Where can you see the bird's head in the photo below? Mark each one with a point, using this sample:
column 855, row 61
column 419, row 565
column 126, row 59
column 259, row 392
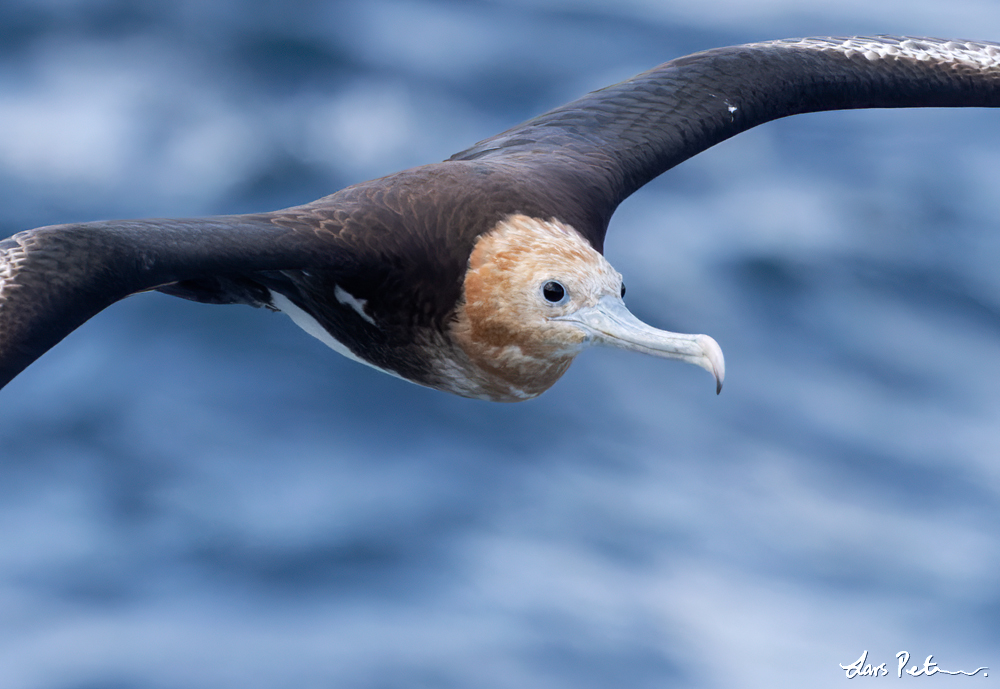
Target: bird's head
column 536, row 293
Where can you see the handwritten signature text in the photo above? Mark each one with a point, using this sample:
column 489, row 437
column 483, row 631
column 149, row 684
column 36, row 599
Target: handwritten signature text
column 862, row 668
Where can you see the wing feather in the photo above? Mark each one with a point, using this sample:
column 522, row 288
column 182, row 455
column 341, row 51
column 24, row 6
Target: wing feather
column 613, row 141
column 52, row 279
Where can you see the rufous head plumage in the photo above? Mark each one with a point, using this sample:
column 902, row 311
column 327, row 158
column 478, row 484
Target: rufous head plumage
column 536, row 293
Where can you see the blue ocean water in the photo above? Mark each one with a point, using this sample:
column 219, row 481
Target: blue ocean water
column 200, row 496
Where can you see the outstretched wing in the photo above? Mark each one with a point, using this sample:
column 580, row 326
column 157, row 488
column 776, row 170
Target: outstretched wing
column 612, row 141
column 52, row 279
column 586, row 156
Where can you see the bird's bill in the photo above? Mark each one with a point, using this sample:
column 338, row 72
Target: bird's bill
column 610, row 323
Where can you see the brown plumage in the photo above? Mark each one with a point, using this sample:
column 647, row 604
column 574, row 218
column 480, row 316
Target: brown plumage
column 482, row 275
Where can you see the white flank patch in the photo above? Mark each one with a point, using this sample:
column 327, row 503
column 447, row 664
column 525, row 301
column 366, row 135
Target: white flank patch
column 344, row 297
column 312, row 326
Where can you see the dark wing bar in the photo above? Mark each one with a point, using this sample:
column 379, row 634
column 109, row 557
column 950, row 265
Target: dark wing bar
column 52, row 279
column 615, row 140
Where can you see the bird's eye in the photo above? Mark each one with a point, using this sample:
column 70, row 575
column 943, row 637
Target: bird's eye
column 553, row 291
column 623, row 290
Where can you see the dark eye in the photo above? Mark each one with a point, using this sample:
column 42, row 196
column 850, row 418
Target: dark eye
column 553, row 291
column 623, row 290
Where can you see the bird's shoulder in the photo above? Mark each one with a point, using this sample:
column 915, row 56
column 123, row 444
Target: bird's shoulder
column 435, row 212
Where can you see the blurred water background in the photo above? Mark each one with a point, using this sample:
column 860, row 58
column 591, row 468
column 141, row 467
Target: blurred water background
column 206, row 497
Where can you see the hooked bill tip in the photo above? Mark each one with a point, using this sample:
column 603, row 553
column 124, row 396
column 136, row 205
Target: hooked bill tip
column 712, row 353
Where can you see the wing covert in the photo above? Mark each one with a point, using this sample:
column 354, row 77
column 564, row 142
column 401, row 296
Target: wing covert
column 52, row 279
column 614, row 140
